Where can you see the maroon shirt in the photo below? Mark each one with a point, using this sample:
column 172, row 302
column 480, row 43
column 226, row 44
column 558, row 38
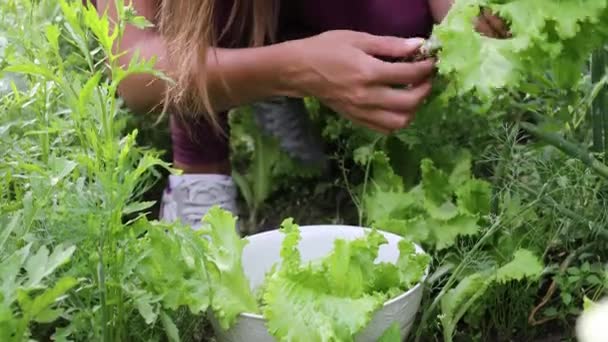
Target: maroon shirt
column 404, row 18
column 301, row 18
column 304, row 18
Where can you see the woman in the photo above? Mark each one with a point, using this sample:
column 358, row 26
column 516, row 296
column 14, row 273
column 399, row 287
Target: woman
column 224, row 54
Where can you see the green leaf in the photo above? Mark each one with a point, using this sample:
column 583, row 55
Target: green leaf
column 137, row 207
column 10, row 269
column 347, row 268
column 335, row 297
column 61, row 168
column 244, row 187
column 474, row 197
column 411, row 265
column 86, row 93
column 171, row 267
column 456, row 301
column 170, row 327
column 42, row 264
column 435, row 183
column 524, row 265
column 230, row 287
column 447, row 232
column 392, row 334
column 554, row 37
column 39, row 309
column 34, row 70
column 296, row 312
column 146, row 310
column 446, row 211
column 381, row 206
column 415, row 229
column 8, row 229
column 461, row 171
column 52, row 35
column 384, row 178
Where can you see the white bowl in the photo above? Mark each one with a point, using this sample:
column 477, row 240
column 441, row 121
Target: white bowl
column 263, row 251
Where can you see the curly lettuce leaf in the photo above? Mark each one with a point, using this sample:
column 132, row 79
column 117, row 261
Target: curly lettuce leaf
column 392, row 334
column 457, row 301
column 335, row 297
column 296, row 311
column 443, row 207
column 547, row 35
column 231, row 293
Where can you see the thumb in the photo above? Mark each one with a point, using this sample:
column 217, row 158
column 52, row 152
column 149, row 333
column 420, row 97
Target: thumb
column 393, row 47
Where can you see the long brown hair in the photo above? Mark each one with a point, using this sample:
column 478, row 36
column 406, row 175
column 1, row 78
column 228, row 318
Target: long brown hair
column 190, row 28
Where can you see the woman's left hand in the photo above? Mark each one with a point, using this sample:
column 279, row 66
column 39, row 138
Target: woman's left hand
column 487, row 23
column 491, row 25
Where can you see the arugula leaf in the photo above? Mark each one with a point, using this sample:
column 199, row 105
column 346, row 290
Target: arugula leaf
column 41, row 264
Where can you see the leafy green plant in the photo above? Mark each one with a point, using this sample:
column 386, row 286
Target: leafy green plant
column 268, row 168
column 307, row 301
column 30, row 296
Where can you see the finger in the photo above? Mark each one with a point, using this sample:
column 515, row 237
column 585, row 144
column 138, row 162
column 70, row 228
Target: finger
column 387, row 121
column 496, row 24
column 370, row 125
column 400, row 100
column 403, row 73
column 386, row 46
column 483, row 27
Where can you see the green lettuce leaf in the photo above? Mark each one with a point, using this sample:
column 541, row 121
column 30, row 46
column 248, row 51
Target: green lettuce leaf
column 231, row 293
column 335, row 297
column 443, row 207
column 547, row 36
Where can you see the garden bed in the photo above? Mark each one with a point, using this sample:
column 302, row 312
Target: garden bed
column 502, row 180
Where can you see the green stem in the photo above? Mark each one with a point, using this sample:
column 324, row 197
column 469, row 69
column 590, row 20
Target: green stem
column 548, row 200
column 568, row 148
column 499, row 174
column 598, row 117
column 366, row 178
column 102, row 294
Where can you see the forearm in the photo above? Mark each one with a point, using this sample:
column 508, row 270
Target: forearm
column 241, row 76
column 143, row 93
column 233, row 76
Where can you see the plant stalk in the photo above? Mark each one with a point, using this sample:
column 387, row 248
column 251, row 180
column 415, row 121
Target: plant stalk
column 567, row 147
column 598, row 113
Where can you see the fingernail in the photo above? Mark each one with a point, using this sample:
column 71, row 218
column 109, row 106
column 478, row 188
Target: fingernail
column 415, row 42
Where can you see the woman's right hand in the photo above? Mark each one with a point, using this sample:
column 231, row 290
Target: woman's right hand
column 343, row 70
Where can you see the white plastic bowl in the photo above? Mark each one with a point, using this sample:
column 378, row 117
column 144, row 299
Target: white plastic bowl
column 263, row 251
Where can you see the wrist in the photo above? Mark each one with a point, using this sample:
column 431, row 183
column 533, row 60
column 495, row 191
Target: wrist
column 292, row 70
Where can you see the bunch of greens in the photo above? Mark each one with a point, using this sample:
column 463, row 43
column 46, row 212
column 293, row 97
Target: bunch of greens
column 548, row 37
column 329, row 299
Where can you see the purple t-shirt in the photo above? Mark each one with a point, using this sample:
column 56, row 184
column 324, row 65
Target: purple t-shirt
column 303, row 18
column 404, row 18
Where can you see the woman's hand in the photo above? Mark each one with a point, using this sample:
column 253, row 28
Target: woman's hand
column 345, row 71
column 491, row 25
column 486, row 23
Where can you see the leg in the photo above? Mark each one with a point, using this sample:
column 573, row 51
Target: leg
column 203, row 155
